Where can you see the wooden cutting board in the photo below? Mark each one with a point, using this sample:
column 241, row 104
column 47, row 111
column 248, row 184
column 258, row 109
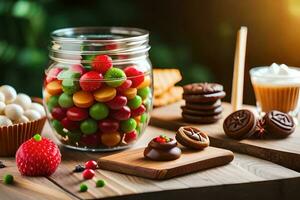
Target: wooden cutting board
column 133, row 162
column 285, row 152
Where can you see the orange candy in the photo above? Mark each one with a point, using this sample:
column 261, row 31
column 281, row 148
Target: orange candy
column 110, row 139
column 83, row 99
column 54, row 87
column 145, row 83
column 105, row 94
column 130, row 93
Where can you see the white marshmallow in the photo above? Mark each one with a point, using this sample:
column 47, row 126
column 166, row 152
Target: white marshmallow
column 2, row 97
column 4, row 121
column 39, row 108
column 2, row 107
column 23, row 100
column 9, row 93
column 13, row 111
column 32, row 114
column 22, row 119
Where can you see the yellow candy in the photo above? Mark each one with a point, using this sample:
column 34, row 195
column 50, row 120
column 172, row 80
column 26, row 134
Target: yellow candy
column 105, row 94
column 54, row 87
column 145, row 83
column 130, row 93
column 83, row 99
column 110, row 139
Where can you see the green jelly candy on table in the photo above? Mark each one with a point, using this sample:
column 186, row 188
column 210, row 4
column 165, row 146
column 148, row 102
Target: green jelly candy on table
column 70, row 86
column 8, row 179
column 144, row 117
column 99, row 111
column 115, row 77
column 100, row 183
column 52, row 102
column 65, row 100
column 144, row 92
column 58, row 127
column 83, row 187
column 68, row 74
column 74, row 136
column 89, row 126
column 128, row 125
column 135, row 102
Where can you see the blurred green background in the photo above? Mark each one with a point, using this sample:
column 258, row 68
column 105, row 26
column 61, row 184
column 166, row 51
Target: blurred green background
column 196, row 36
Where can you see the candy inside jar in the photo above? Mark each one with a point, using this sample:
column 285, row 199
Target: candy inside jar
column 98, row 89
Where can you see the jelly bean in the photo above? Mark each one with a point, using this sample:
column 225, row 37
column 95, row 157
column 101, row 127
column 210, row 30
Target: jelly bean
column 145, row 83
column 144, row 92
column 91, row 81
column 65, row 100
column 139, row 111
column 88, row 174
column 122, row 114
column 58, row 127
column 52, row 102
column 144, row 118
column 83, row 99
column 83, row 187
column 58, row 113
column 124, row 86
column 78, row 68
column 108, row 125
column 110, row 139
column 131, row 136
column 117, row 103
column 70, row 86
column 135, row 102
column 68, row 74
column 114, row 77
column 136, row 76
column 90, row 140
column 100, row 183
column 88, row 126
column 102, row 63
column 69, row 124
column 54, row 87
column 74, row 137
column 52, row 74
column 105, row 94
column 91, row 164
column 77, row 114
column 130, row 93
column 99, row 111
column 128, row 125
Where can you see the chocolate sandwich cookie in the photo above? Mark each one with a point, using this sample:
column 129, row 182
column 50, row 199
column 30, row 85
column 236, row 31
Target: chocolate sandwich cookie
column 202, row 88
column 240, row 124
column 201, row 119
column 204, row 106
column 203, row 98
column 279, row 124
column 192, row 137
column 162, row 148
column 215, row 111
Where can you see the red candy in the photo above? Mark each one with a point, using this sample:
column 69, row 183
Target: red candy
column 77, row 114
column 131, row 136
column 58, row 113
column 90, row 140
column 77, row 68
column 108, row 125
column 70, row 125
column 90, row 81
column 91, row 164
column 88, row 174
column 122, row 114
column 117, row 103
column 127, row 84
column 139, row 111
column 136, row 76
column 52, row 74
column 102, row 63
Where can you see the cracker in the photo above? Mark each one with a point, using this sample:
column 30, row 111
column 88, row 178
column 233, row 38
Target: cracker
column 164, row 79
column 172, row 95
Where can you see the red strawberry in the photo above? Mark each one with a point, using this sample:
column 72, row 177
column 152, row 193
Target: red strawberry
column 38, row 157
column 102, row 63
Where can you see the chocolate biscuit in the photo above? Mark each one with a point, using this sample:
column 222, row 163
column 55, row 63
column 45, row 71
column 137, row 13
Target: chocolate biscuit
column 202, row 88
column 215, row 111
column 203, row 98
column 200, row 119
column 204, row 106
column 192, row 137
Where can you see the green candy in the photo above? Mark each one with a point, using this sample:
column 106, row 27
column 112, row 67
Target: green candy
column 100, row 183
column 99, row 111
column 144, row 118
column 52, row 102
column 74, row 136
column 70, row 86
column 68, row 74
column 115, row 77
column 139, row 128
column 148, row 104
column 135, row 102
column 89, row 126
column 144, row 92
column 8, row 179
column 65, row 100
column 128, row 125
column 83, row 187
column 58, row 127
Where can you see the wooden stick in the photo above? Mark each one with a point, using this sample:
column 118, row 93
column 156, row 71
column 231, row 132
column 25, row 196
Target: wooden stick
column 239, row 68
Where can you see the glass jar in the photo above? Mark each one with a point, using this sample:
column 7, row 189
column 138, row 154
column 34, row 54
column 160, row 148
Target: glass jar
column 98, row 87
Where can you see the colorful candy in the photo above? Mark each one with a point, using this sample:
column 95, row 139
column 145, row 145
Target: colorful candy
column 128, row 125
column 99, row 111
column 136, row 76
column 89, row 126
column 114, row 77
column 88, row 174
column 77, row 114
column 91, row 164
column 58, row 113
column 135, row 102
column 108, row 125
column 111, row 139
column 122, row 114
column 117, row 103
column 54, row 87
column 83, row 99
column 105, row 94
column 65, row 100
column 91, row 81
column 69, row 124
column 102, row 63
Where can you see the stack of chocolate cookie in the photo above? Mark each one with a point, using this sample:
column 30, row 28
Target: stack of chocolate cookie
column 202, row 102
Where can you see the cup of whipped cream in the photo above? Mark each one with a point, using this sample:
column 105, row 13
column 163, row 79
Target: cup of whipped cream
column 276, row 87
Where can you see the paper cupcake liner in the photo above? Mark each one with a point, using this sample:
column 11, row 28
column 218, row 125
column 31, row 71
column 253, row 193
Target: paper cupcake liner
column 11, row 137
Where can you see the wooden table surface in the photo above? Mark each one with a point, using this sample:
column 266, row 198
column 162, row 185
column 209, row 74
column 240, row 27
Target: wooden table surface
column 245, row 177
